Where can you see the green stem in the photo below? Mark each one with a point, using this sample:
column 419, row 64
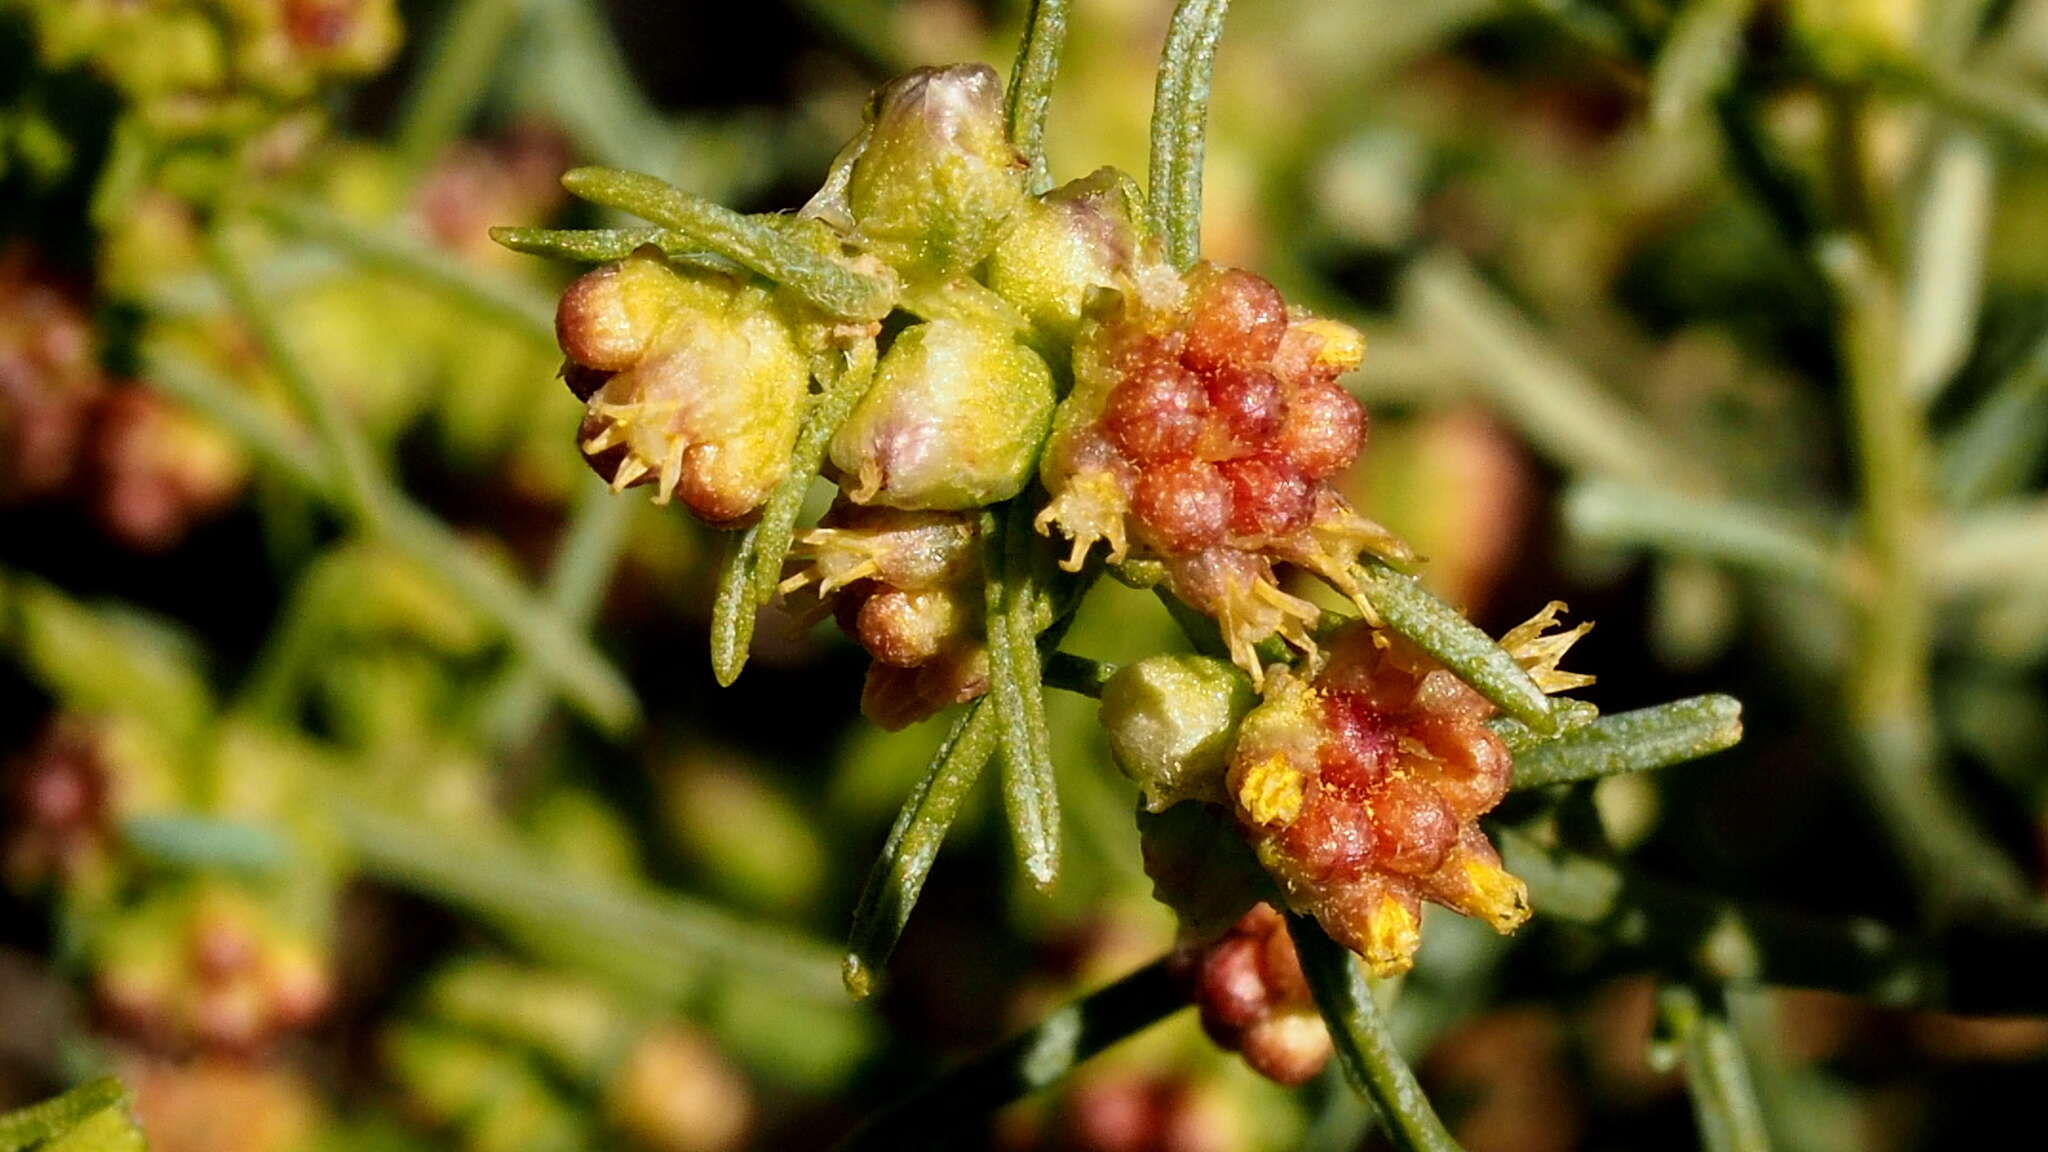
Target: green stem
column 937, row 1114
column 569, row 659
column 1764, row 540
column 899, row 872
column 361, row 489
column 827, row 283
column 1077, row 674
column 1889, row 699
column 1365, row 1047
column 454, row 79
column 1031, row 80
column 1180, row 115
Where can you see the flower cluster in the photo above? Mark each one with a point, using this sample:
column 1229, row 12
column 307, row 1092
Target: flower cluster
column 1204, row 427
column 146, row 468
column 207, row 967
column 211, row 66
column 1361, row 786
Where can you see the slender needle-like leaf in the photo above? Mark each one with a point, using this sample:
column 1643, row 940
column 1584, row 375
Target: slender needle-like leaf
column 1180, row 115
column 569, row 659
column 1638, row 741
column 1031, row 79
column 1764, row 540
column 830, row 284
column 1077, row 674
column 1364, row 1046
column 206, row 842
column 1698, row 59
column 497, row 297
column 454, row 79
column 603, row 245
column 27, row 1127
column 1457, row 643
column 499, row 880
column 1717, row 1076
column 753, row 561
column 936, row 1115
column 1997, row 448
column 899, row 873
column 1016, row 684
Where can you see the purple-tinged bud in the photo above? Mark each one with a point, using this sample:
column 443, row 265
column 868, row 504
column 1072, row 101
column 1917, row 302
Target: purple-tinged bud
column 954, row 420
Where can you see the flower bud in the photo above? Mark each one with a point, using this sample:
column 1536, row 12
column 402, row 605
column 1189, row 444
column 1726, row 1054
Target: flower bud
column 1171, row 720
column 1248, row 986
column 1078, row 237
column 50, row 380
column 954, row 420
column 693, row 383
column 934, row 177
column 907, row 586
column 676, row 1094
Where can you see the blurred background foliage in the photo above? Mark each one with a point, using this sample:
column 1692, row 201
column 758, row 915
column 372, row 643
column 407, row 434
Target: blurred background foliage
column 398, row 809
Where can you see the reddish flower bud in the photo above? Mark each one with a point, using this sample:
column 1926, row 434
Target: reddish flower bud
column 1253, row 998
column 907, row 586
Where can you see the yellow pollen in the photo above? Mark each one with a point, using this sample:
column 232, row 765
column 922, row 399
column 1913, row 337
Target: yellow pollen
column 1270, row 792
column 1392, row 934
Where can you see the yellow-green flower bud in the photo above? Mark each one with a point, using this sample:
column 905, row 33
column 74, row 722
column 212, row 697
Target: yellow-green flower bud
column 1171, row 720
column 1079, row 236
column 933, row 178
column 693, row 381
column 954, row 420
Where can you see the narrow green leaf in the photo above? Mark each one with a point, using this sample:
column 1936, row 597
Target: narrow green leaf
column 899, row 872
column 2002, row 546
column 829, row 284
column 454, row 79
column 1698, row 59
column 1364, row 1046
column 603, row 245
column 1999, row 445
column 940, row 1113
column 517, row 306
column 501, row 881
column 1638, row 741
column 1180, row 115
column 733, row 609
column 1457, row 643
column 752, row 568
column 1945, row 262
column 1765, row 540
column 208, row 842
column 1077, row 674
column 1717, row 1075
column 26, row 1127
column 1031, row 79
column 1016, row 685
